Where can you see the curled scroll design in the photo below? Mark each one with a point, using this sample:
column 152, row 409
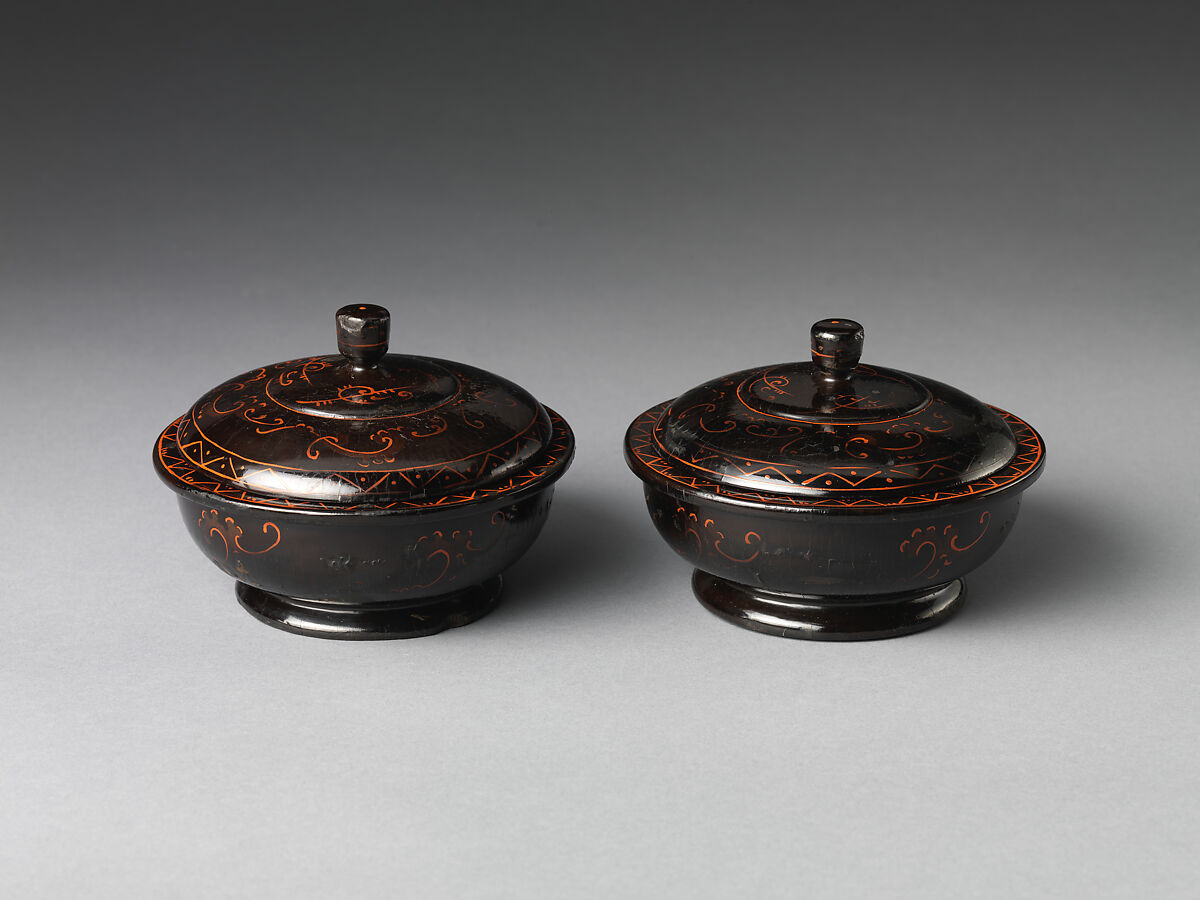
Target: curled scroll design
column 701, row 413
column 436, row 426
column 719, row 425
column 861, row 446
column 314, row 449
column 216, row 407
column 264, row 421
column 446, row 552
column 301, row 371
column 776, row 384
column 938, row 547
column 361, row 394
column 709, row 538
column 776, row 431
column 230, row 533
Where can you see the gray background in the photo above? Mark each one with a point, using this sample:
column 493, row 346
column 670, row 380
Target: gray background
column 607, row 204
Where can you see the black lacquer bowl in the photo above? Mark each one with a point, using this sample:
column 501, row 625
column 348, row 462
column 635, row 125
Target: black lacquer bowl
column 365, row 495
column 832, row 500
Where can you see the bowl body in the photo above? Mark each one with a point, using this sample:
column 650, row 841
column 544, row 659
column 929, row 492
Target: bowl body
column 830, row 552
column 359, row 559
column 831, row 575
column 363, row 575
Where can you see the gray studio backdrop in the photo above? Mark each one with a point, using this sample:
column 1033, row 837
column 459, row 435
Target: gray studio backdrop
column 607, row 204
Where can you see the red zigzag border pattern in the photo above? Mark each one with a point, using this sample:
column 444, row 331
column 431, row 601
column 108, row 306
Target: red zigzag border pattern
column 182, row 470
column 643, row 448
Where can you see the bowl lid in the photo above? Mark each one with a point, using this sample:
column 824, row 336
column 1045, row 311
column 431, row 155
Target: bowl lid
column 365, row 429
column 831, row 433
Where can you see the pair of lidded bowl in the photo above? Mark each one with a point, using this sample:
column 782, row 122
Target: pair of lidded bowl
column 371, row 495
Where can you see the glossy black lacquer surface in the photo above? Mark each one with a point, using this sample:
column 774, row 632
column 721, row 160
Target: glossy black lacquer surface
column 831, row 500
column 365, row 495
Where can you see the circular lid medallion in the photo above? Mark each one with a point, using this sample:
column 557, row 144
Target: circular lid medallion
column 831, row 433
column 364, row 429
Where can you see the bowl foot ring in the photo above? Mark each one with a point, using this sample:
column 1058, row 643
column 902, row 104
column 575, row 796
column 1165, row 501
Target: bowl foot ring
column 829, row 618
column 371, row 621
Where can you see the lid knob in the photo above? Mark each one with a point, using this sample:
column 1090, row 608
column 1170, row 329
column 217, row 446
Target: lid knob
column 836, row 347
column 362, row 333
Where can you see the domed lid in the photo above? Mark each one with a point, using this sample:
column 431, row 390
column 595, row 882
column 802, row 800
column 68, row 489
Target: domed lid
column 831, row 433
column 364, row 430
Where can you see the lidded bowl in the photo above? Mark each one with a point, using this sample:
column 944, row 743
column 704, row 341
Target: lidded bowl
column 366, row 494
column 829, row 499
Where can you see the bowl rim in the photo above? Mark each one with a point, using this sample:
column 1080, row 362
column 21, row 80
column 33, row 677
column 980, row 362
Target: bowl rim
column 529, row 481
column 655, row 470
